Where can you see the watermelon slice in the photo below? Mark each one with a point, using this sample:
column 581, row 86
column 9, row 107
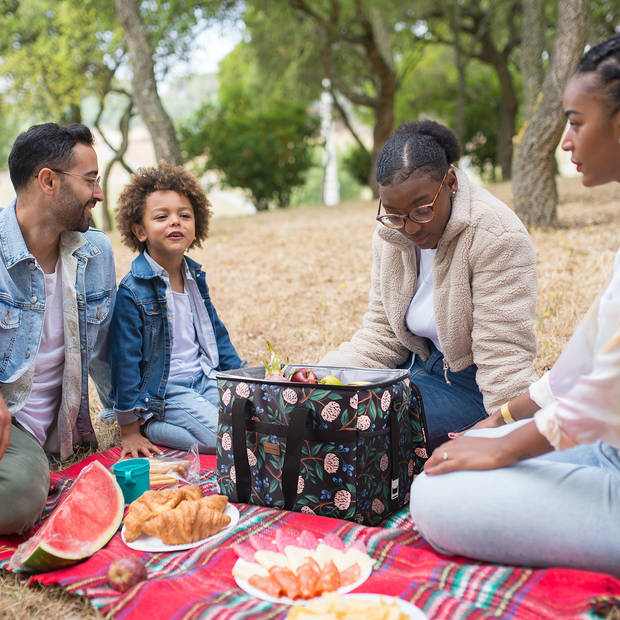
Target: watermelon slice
column 83, row 522
column 260, row 543
column 334, row 541
column 285, row 537
column 244, row 551
column 308, row 540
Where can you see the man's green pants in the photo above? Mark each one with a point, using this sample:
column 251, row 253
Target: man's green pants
column 24, row 482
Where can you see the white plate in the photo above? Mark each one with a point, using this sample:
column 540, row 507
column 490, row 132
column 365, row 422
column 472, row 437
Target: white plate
column 250, row 589
column 154, row 544
column 414, row 613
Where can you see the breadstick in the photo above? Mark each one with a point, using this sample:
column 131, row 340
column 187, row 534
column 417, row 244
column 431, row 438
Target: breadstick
column 159, row 467
column 160, row 480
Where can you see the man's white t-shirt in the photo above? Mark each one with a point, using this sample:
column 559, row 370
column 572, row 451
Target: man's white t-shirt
column 420, row 317
column 185, row 354
column 42, row 405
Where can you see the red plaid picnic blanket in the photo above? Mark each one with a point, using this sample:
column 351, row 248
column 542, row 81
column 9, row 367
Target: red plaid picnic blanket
column 198, row 582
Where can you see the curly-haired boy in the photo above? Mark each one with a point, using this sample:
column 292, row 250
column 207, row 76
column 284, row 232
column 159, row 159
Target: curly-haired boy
column 166, row 339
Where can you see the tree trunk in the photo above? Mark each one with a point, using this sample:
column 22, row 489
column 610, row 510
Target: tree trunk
column 382, row 61
column 508, row 107
column 144, row 85
column 532, row 45
column 533, row 179
column 454, row 17
column 384, row 122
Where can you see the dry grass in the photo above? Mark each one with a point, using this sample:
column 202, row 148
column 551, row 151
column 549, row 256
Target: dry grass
column 300, row 279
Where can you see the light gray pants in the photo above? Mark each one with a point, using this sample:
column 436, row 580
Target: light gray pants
column 561, row 509
column 24, row 482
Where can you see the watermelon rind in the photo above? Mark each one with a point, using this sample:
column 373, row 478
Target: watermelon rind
column 39, row 554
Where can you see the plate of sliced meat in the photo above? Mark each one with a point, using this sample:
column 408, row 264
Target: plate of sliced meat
column 297, row 566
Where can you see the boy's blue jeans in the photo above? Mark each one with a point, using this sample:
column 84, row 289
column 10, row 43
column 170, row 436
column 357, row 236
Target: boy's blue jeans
column 190, row 415
column 448, row 407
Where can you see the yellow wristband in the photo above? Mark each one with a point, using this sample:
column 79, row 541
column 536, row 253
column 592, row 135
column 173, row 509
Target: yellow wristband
column 508, row 419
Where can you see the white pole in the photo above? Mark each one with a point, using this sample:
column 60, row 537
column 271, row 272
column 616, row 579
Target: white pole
column 331, row 187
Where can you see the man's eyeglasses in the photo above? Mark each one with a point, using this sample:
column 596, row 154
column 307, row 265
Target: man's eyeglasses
column 420, row 214
column 92, row 180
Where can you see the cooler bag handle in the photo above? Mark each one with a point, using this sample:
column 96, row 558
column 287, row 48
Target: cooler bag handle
column 290, row 469
column 294, row 440
column 394, row 449
column 240, row 412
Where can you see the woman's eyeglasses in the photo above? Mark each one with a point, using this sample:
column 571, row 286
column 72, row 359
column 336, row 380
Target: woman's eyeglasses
column 419, row 215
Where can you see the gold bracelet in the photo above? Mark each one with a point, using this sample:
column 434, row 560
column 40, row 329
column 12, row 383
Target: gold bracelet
column 508, row 419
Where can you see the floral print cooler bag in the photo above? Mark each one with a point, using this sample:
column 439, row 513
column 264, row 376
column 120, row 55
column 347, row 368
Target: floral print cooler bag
column 343, row 451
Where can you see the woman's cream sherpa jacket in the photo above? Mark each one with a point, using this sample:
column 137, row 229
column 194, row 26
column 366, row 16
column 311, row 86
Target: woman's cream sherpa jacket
column 484, row 278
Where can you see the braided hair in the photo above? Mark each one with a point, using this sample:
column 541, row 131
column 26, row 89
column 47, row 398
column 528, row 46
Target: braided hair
column 425, row 147
column 604, row 60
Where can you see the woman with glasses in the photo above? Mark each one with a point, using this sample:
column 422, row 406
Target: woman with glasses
column 561, row 508
column 453, row 284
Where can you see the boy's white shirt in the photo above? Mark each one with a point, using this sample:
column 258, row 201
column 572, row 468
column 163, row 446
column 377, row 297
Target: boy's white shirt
column 580, row 395
column 41, row 407
column 209, row 356
column 185, row 351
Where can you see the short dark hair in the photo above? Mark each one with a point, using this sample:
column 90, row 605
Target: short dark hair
column 426, row 147
column 604, row 60
column 165, row 177
column 48, row 145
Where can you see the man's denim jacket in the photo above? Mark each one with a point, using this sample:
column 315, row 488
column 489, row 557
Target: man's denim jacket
column 88, row 290
column 140, row 341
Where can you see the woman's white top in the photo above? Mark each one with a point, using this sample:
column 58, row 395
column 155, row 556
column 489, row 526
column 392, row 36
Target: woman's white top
column 580, row 395
column 420, row 317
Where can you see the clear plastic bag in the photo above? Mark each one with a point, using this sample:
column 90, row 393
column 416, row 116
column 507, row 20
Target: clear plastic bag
column 167, row 470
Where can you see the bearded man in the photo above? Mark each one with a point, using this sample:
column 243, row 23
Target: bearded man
column 57, row 288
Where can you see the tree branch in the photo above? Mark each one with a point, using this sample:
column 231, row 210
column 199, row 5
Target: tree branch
column 346, row 120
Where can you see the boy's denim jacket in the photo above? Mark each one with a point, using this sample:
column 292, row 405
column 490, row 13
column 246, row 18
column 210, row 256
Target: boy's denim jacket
column 88, row 290
column 140, row 342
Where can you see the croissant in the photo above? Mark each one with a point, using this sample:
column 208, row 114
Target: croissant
column 152, row 503
column 190, row 521
column 215, row 502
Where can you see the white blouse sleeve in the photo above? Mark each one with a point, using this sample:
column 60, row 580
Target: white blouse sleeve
column 580, row 395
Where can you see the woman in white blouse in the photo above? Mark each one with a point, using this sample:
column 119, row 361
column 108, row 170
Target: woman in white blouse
column 562, row 509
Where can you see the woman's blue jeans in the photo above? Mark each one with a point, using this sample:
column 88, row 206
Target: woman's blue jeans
column 190, row 415
column 448, row 407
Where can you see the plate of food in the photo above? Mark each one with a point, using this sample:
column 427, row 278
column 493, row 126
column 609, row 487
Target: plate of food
column 355, row 606
column 299, row 566
column 177, row 518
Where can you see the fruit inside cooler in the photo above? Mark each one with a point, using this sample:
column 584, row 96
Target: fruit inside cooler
column 347, row 375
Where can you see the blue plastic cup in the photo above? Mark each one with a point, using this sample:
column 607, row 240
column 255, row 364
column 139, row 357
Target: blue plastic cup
column 132, row 476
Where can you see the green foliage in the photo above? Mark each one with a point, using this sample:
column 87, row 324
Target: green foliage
column 430, row 91
column 357, row 162
column 55, row 52
column 265, row 150
column 9, row 128
column 310, row 192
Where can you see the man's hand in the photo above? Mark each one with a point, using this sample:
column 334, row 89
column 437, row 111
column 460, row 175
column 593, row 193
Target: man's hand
column 5, row 427
column 134, row 443
column 487, row 452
